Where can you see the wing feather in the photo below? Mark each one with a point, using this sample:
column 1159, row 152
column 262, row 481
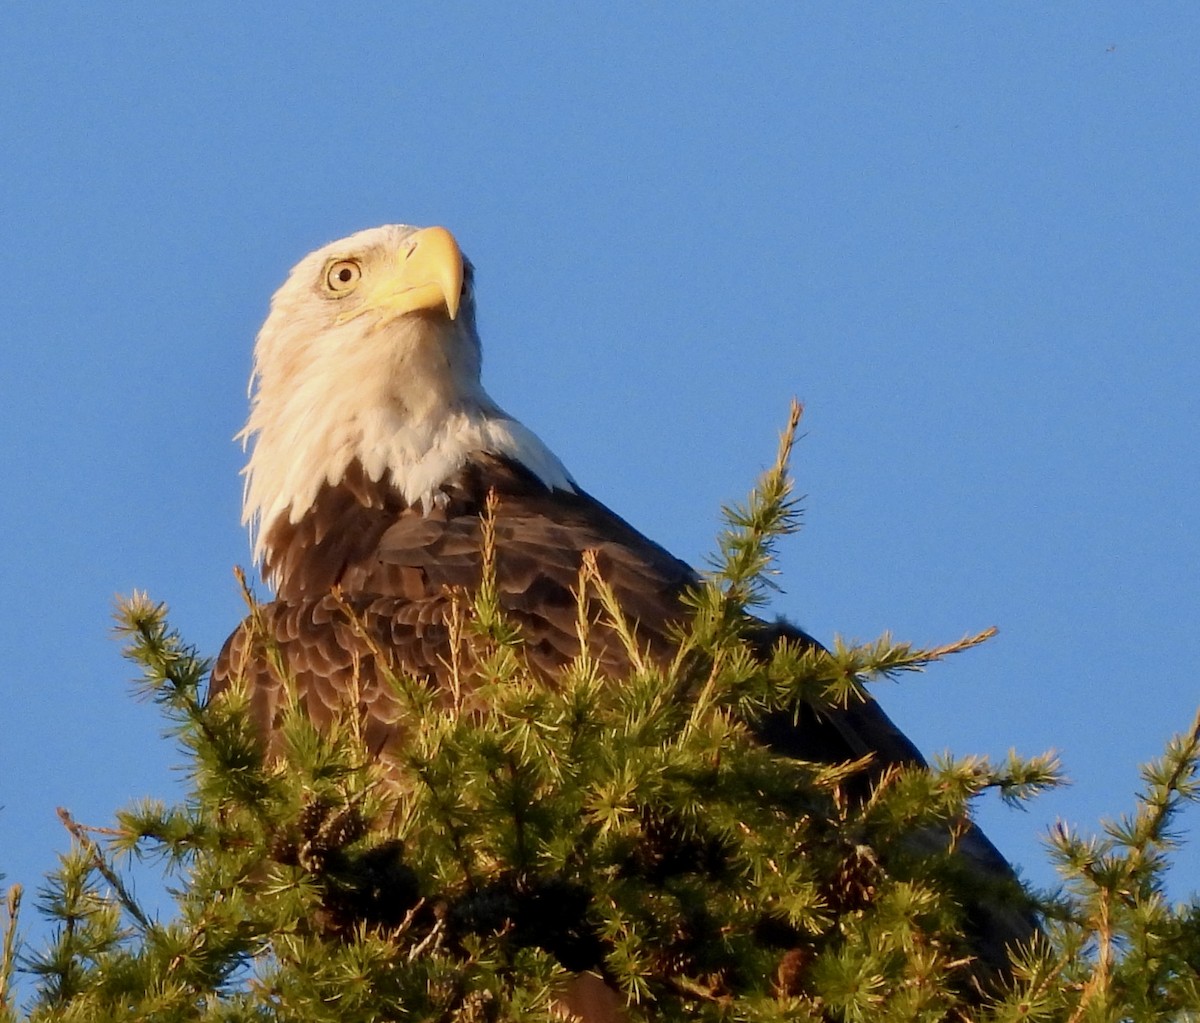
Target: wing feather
column 397, row 567
column 362, row 553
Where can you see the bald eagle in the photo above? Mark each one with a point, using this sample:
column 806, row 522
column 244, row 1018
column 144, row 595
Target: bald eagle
column 373, row 449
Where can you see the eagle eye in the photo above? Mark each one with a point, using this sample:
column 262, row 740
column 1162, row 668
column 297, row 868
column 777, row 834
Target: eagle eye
column 342, row 275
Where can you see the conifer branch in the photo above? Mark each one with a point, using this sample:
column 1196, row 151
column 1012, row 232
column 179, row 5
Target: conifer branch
column 12, row 908
column 104, row 869
column 885, row 658
column 747, row 545
column 634, row 827
column 613, row 614
column 260, row 639
column 456, row 662
column 487, row 598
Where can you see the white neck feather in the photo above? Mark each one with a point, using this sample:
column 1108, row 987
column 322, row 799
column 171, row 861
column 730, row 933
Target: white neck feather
column 416, row 456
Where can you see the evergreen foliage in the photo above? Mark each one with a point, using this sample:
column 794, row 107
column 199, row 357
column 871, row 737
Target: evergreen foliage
column 634, row 829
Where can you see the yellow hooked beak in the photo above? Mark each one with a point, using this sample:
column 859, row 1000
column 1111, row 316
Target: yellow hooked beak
column 428, row 275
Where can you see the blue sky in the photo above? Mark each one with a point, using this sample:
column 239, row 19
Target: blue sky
column 966, row 236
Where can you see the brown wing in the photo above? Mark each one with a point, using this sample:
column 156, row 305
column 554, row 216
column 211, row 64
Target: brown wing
column 398, row 571
column 397, row 567
column 330, row 659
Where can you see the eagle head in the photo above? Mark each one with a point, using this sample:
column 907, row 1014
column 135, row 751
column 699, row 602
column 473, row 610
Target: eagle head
column 370, row 354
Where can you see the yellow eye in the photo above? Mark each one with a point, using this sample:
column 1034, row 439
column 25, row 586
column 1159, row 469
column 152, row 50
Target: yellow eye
column 342, row 275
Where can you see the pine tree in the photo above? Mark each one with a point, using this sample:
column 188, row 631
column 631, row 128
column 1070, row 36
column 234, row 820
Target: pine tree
column 636, row 828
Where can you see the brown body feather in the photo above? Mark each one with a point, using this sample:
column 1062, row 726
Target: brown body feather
column 400, row 571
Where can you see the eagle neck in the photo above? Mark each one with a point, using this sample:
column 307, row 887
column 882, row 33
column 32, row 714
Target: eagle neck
column 412, row 457
column 336, row 541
